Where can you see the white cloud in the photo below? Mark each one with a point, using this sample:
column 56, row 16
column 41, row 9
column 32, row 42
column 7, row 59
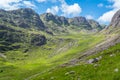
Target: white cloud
column 100, row 5
column 15, row 4
column 65, row 9
column 70, row 10
column 116, row 4
column 41, row 1
column 53, row 10
column 9, row 4
column 28, row 4
column 106, row 17
column 89, row 17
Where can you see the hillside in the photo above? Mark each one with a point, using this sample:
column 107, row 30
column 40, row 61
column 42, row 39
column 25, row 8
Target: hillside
column 99, row 63
column 107, row 68
column 57, row 24
column 51, row 47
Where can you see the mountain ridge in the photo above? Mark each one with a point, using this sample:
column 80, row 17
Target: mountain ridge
column 75, row 22
column 28, row 19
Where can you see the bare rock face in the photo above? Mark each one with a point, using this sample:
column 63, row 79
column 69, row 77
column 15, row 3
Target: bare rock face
column 38, row 40
column 116, row 20
column 95, row 25
column 24, row 18
column 80, row 22
column 60, row 20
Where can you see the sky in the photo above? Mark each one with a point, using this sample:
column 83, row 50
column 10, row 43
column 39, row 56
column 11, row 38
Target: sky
column 99, row 10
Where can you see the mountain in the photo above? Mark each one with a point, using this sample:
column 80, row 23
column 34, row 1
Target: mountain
column 95, row 25
column 16, row 27
column 114, row 26
column 57, row 24
column 54, row 24
column 59, row 20
column 24, row 18
column 115, row 22
column 80, row 22
column 28, row 19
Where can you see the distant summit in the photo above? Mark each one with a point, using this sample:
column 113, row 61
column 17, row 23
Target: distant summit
column 95, row 25
column 57, row 23
column 60, row 20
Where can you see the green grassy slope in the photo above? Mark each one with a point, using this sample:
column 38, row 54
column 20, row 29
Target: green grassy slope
column 108, row 68
column 18, row 65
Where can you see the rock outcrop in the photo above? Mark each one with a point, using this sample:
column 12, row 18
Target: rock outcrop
column 24, row 18
column 59, row 20
column 80, row 22
column 95, row 25
column 115, row 22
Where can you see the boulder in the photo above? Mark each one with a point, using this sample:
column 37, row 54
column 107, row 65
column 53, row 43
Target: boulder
column 94, row 60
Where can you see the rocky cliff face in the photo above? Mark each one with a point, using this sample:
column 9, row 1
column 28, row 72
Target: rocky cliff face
column 80, row 22
column 59, row 20
column 24, row 18
column 60, row 23
column 95, row 25
column 14, row 39
column 115, row 22
column 15, row 26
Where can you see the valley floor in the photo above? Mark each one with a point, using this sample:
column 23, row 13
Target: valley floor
column 43, row 63
column 51, row 47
